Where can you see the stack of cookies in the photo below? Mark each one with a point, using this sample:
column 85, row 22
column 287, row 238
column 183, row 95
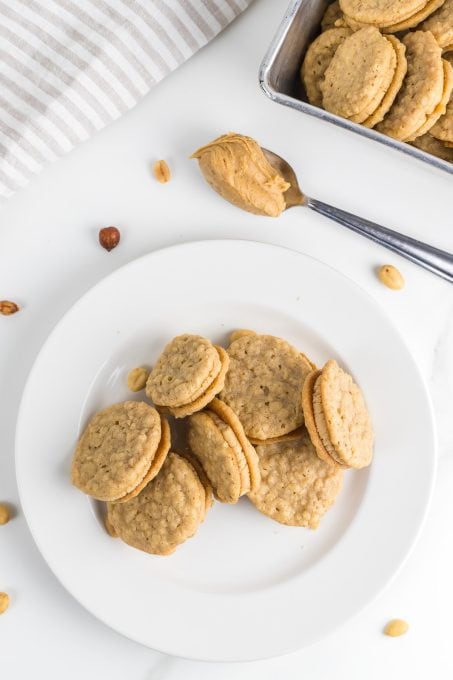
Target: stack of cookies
column 439, row 140
column 259, row 420
column 399, row 84
column 217, row 439
column 122, row 449
column 187, row 376
column 336, row 417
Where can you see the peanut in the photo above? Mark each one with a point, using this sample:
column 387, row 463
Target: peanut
column 5, row 514
column 391, row 277
column 4, row 602
column 161, row 171
column 396, row 627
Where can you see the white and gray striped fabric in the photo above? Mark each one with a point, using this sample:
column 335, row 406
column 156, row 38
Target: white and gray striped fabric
column 70, row 67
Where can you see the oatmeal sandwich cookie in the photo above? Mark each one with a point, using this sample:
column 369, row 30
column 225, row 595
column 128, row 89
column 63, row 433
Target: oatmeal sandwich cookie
column 411, row 21
column 337, row 418
column 381, row 13
column 263, row 385
column 415, row 19
column 422, row 91
column 288, row 437
column 297, row 488
column 395, row 85
column 317, row 59
column 310, row 421
column 217, row 440
column 443, row 129
column 167, row 511
column 433, row 146
column 215, row 387
column 207, row 486
column 332, row 14
column 239, row 333
column 188, row 375
column 225, row 413
column 440, row 24
column 121, row 450
column 440, row 109
column 360, row 75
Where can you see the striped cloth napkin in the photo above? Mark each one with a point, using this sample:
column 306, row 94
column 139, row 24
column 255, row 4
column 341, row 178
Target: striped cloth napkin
column 70, row 67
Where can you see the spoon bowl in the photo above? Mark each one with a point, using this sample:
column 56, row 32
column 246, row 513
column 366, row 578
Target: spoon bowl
column 294, row 195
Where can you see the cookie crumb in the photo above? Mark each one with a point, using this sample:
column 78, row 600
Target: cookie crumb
column 136, row 379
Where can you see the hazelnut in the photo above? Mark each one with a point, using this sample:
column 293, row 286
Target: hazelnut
column 7, row 307
column 109, row 237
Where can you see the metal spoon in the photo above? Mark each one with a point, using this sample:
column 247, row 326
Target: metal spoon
column 437, row 261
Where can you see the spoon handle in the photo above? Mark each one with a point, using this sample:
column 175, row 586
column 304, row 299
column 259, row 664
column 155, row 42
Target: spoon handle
column 437, row 261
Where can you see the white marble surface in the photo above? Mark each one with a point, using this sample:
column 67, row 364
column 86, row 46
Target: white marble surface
column 49, row 256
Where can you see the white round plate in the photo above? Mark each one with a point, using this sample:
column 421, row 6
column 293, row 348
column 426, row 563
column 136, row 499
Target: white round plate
column 244, row 587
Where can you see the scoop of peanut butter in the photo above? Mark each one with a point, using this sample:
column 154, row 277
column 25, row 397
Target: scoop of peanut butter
column 235, row 167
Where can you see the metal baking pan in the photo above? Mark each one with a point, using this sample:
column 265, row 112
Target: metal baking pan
column 280, row 80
